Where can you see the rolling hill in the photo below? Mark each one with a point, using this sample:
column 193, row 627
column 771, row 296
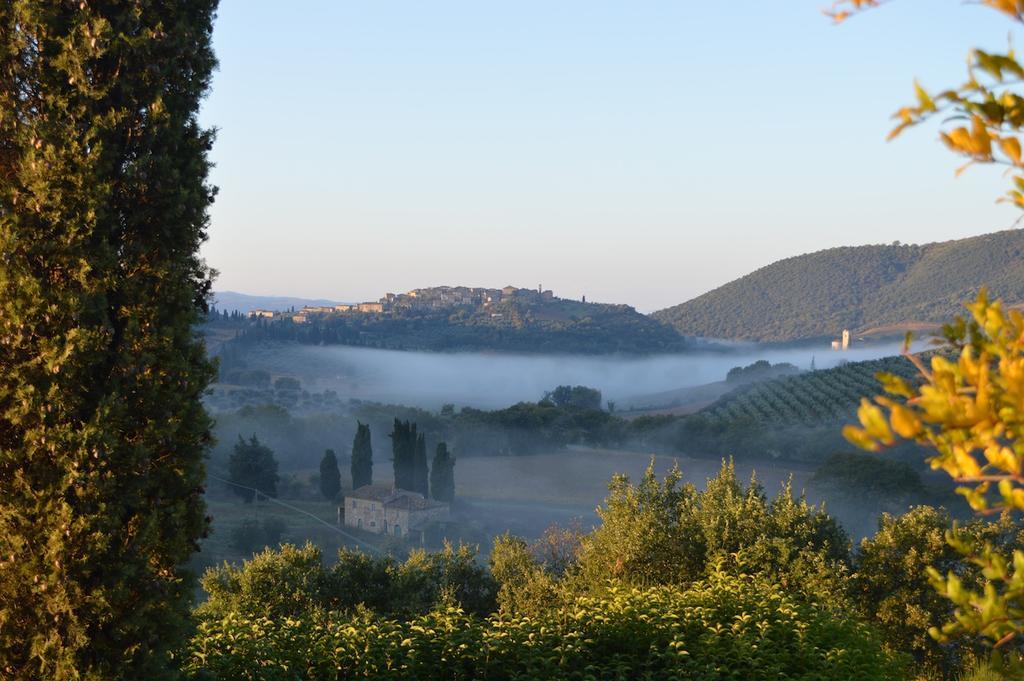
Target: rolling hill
column 451, row 319
column 232, row 301
column 862, row 288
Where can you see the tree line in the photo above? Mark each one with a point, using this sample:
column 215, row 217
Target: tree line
column 253, row 469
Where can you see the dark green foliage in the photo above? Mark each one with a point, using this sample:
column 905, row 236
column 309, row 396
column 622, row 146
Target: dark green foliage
column 252, row 535
column 103, row 207
column 722, row 628
column 891, row 588
column 403, row 451
column 442, row 474
column 252, row 466
column 797, row 417
column 330, row 476
column 759, row 371
column 362, row 457
column 859, row 288
column 808, row 399
column 287, row 383
column 556, row 326
column 528, row 575
column 658, row 532
column 420, row 472
column 293, row 582
column 862, row 476
column 256, row 378
column 574, row 396
column 529, row 428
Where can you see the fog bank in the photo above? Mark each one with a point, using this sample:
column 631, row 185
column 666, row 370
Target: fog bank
column 493, row 380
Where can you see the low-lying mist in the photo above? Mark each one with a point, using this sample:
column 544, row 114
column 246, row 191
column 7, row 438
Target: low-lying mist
column 495, row 380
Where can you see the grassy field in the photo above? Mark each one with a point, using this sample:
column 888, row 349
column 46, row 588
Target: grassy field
column 229, row 513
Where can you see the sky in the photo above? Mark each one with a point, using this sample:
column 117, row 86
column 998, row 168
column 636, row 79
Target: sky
column 633, row 152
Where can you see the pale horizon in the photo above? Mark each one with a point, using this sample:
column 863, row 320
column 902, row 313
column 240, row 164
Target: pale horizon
column 640, row 155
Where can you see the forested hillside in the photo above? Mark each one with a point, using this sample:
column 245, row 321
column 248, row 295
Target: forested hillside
column 517, row 325
column 859, row 287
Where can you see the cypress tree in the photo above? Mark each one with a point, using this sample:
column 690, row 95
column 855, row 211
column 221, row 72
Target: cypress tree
column 442, row 474
column 420, row 473
column 362, row 457
column 103, row 207
column 403, row 449
column 330, row 476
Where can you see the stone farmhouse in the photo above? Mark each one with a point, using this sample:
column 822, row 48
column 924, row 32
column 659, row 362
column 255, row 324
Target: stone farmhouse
column 382, row 509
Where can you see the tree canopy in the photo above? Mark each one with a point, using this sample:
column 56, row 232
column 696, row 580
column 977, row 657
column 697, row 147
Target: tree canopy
column 103, row 207
column 252, row 466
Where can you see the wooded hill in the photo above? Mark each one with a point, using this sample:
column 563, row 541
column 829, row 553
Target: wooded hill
column 554, row 325
column 861, row 288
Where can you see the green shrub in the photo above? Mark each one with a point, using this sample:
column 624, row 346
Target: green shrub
column 661, row 532
column 293, row 582
column 724, row 628
column 891, row 588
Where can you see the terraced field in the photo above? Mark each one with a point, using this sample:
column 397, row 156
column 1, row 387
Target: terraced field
column 808, row 398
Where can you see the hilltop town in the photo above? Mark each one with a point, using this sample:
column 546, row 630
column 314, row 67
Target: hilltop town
column 449, row 318
column 419, row 300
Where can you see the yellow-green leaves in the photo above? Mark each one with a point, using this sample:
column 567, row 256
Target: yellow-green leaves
column 967, row 410
column 994, row 610
column 993, row 112
column 970, row 411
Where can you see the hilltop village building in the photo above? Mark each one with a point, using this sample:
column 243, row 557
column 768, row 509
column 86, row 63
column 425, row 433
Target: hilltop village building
column 253, row 314
column 382, row 509
column 843, row 343
column 420, row 299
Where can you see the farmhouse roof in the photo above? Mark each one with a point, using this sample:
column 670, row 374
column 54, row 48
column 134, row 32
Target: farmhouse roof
column 374, row 492
column 410, row 502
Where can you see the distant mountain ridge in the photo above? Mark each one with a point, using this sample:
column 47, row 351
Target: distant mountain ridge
column 856, row 287
column 232, row 301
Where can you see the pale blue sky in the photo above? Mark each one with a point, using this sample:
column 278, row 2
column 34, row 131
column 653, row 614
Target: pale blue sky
column 639, row 152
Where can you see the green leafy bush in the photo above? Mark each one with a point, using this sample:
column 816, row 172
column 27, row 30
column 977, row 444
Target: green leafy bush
column 293, row 582
column 658, row 532
column 727, row 627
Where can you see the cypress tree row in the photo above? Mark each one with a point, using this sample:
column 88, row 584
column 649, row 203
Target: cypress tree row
column 420, row 473
column 442, row 474
column 103, row 206
column 362, row 457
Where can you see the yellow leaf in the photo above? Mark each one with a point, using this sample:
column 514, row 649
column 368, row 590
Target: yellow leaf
column 859, row 438
column 904, row 422
column 1011, row 147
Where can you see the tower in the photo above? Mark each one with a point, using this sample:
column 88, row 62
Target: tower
column 846, row 339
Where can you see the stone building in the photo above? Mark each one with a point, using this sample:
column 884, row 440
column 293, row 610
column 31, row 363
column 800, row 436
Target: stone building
column 382, row 509
column 252, row 314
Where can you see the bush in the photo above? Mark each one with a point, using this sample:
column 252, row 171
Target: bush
column 892, row 590
column 725, row 627
column 658, row 532
column 293, row 582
